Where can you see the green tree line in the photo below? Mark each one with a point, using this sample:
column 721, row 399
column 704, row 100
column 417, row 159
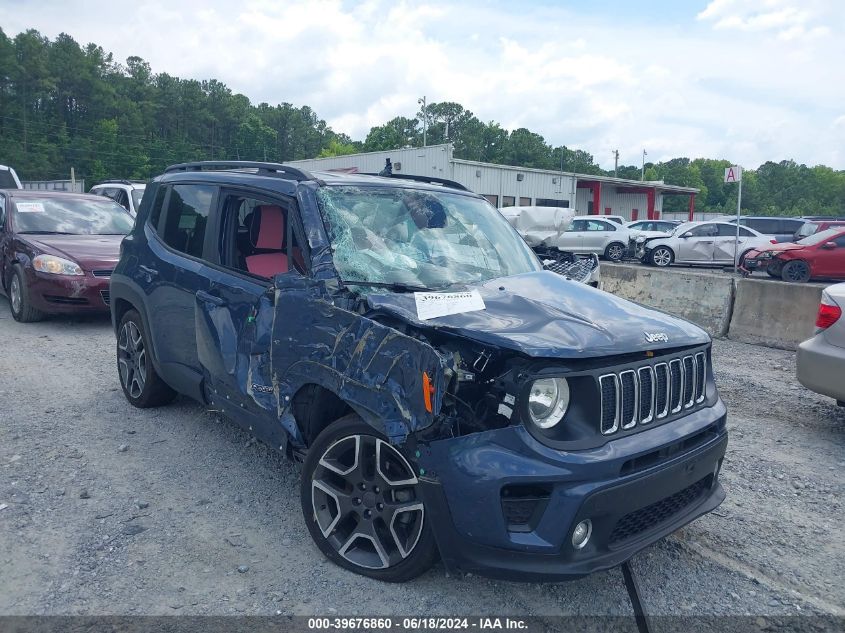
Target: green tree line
column 64, row 105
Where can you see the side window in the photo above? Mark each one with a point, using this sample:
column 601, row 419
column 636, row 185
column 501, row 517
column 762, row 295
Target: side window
column 595, row 225
column 186, row 218
column 2, row 212
column 706, row 230
column 840, row 241
column 122, row 199
column 578, row 225
column 158, row 205
column 258, row 237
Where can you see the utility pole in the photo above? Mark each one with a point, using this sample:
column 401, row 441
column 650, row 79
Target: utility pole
column 425, row 118
column 615, row 162
column 642, row 171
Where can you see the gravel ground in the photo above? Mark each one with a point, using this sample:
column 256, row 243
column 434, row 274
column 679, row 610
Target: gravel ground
column 110, row 510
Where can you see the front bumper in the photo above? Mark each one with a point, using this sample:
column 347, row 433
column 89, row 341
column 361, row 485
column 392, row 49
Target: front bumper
column 68, row 294
column 630, row 508
column 821, row 367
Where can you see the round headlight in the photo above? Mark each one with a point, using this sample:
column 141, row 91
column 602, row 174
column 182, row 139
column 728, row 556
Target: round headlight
column 548, row 400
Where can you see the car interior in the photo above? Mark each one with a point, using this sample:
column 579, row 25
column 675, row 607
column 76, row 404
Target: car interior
column 260, row 241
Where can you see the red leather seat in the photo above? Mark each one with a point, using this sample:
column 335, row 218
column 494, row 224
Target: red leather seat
column 266, row 233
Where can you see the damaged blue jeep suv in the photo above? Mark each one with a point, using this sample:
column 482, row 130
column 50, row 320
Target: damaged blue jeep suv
column 446, row 395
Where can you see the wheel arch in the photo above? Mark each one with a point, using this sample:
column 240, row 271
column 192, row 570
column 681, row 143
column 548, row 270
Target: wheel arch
column 314, row 407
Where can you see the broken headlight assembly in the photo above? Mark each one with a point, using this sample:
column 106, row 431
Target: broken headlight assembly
column 56, row 265
column 548, row 400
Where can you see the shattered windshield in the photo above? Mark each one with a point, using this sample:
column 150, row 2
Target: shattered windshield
column 392, row 235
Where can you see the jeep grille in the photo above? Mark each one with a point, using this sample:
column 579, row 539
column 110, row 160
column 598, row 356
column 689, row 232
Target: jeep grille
column 651, row 392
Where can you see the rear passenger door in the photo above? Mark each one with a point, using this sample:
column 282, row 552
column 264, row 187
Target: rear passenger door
column 726, row 244
column 597, row 236
column 181, row 247
column 256, row 240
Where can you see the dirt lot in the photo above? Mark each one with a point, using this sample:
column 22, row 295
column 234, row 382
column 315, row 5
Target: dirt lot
column 110, row 510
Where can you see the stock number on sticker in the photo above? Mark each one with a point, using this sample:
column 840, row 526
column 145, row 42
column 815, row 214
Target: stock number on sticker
column 350, row 623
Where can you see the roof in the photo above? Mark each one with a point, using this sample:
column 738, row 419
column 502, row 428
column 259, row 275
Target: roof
column 280, row 176
column 40, row 193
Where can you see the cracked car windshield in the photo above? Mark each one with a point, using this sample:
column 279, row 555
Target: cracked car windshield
column 420, row 238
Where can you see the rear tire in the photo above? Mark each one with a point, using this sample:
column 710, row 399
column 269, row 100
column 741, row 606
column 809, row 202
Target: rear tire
column 19, row 302
column 362, row 506
column 796, row 271
column 142, row 386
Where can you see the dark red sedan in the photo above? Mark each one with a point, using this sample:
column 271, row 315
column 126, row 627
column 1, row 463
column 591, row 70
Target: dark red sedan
column 819, row 256
column 57, row 251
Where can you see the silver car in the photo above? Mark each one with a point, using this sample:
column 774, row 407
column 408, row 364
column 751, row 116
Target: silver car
column 821, row 359
column 595, row 235
column 712, row 243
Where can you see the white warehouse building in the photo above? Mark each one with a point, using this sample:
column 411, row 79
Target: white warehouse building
column 506, row 186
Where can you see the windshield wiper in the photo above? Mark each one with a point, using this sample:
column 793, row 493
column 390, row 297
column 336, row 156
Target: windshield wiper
column 395, row 286
column 45, row 233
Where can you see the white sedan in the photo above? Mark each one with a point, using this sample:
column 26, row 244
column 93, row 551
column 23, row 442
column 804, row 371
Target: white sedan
column 594, row 235
column 712, row 243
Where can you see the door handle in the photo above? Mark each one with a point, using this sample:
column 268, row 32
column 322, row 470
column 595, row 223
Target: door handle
column 152, row 272
column 202, row 295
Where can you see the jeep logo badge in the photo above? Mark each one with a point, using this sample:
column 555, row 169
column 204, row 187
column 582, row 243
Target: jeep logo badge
column 656, row 337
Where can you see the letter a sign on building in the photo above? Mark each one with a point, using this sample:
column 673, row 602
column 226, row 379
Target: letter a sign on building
column 733, row 173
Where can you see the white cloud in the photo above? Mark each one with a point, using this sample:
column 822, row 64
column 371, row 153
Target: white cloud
column 749, row 81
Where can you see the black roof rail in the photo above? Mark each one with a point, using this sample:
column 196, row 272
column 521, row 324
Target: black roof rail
column 122, row 181
column 265, row 169
column 429, row 179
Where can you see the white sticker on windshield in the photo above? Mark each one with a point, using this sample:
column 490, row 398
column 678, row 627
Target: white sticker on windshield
column 29, row 207
column 436, row 304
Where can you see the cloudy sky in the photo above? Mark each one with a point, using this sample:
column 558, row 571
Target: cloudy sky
column 749, row 80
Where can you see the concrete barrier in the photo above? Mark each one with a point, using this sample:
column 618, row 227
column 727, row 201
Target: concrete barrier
column 705, row 298
column 774, row 313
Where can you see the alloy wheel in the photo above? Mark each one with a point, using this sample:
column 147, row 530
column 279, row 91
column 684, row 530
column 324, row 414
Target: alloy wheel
column 662, row 257
column 615, row 252
column 15, row 297
column 365, row 502
column 132, row 359
column 796, row 271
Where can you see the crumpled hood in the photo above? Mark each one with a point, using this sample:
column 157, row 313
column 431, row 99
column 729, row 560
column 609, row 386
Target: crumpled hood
column 543, row 315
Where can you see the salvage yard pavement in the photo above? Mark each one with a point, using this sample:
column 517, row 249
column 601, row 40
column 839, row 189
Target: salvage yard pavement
column 106, row 509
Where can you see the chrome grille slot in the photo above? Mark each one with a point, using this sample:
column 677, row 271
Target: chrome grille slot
column 639, row 395
column 628, row 392
column 661, row 390
column 700, row 376
column 609, row 387
column 646, row 377
column 676, row 383
column 689, row 381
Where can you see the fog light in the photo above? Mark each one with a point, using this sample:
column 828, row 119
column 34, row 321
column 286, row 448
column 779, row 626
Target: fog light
column 581, row 533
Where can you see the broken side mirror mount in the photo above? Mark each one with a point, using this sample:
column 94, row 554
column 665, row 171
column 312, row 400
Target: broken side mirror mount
column 291, row 280
column 829, row 245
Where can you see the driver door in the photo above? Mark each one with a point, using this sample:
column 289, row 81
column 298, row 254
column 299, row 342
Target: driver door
column 698, row 246
column 827, row 261
column 572, row 238
column 258, row 245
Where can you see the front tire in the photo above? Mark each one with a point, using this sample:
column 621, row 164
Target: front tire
column 662, row 257
column 796, row 271
column 362, row 505
column 19, row 301
column 142, row 386
column 614, row 252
